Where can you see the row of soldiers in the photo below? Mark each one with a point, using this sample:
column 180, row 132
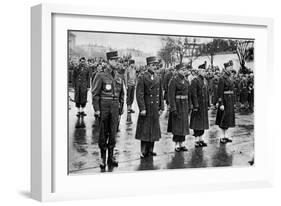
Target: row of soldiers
column 243, row 85
column 187, row 94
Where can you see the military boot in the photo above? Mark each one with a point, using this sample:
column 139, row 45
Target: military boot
column 111, row 161
column 103, row 159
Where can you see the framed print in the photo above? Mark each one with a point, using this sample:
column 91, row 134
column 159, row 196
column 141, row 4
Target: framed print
column 135, row 102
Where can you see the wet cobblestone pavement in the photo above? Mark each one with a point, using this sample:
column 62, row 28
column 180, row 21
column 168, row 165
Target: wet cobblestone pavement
column 84, row 154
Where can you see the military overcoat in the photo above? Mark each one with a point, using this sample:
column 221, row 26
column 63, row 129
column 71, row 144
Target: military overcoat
column 149, row 95
column 81, row 83
column 200, row 101
column 226, row 118
column 178, row 122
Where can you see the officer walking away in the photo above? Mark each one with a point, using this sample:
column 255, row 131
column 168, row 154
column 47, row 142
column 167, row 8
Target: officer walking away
column 108, row 100
column 150, row 102
column 199, row 121
column 130, row 81
column 81, row 84
column 226, row 113
column 178, row 123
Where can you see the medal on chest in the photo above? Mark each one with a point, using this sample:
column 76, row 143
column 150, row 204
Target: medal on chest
column 108, row 87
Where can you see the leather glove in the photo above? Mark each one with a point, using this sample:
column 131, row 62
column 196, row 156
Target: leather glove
column 143, row 113
column 175, row 113
column 221, row 107
column 97, row 114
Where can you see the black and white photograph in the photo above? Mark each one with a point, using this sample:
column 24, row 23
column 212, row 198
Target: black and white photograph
column 141, row 102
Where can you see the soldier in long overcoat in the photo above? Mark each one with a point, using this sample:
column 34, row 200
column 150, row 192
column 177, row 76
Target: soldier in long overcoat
column 81, row 84
column 178, row 122
column 166, row 80
column 243, row 91
column 226, row 100
column 199, row 121
column 215, row 89
column 149, row 95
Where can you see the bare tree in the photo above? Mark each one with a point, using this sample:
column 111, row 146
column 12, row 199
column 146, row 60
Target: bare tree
column 242, row 48
column 179, row 48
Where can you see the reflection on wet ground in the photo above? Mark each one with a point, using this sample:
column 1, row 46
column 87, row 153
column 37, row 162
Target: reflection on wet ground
column 84, row 151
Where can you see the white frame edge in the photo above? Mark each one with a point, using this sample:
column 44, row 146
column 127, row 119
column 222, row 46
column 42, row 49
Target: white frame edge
column 41, row 77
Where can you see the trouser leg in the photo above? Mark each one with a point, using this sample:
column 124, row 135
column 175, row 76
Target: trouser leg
column 130, row 97
column 151, row 149
column 201, row 133
column 113, row 124
column 113, row 120
column 224, row 138
column 103, row 131
column 197, row 135
column 105, row 125
column 178, row 138
column 144, row 149
column 103, row 158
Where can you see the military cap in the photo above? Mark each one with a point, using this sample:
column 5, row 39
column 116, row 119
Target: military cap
column 234, row 71
column 202, row 66
column 226, row 64
column 151, row 60
column 131, row 61
column 112, row 55
column 179, row 66
column 82, row 58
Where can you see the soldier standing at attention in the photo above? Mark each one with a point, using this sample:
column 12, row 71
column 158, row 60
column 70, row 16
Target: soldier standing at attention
column 150, row 102
column 225, row 114
column 108, row 100
column 179, row 108
column 81, row 83
column 199, row 121
column 167, row 78
column 130, row 81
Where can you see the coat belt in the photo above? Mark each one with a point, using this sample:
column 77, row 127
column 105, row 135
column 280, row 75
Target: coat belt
column 228, row 92
column 111, row 98
column 181, row 97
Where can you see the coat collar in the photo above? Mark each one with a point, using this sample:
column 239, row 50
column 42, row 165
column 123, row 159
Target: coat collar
column 109, row 74
column 147, row 76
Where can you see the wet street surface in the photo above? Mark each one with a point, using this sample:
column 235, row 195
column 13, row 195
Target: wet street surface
column 84, row 156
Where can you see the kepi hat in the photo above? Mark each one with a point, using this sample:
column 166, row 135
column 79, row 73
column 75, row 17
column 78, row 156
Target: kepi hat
column 112, row 55
column 151, row 60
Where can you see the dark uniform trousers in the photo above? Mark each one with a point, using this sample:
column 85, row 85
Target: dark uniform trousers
column 147, row 147
column 198, row 133
column 108, row 123
column 130, row 94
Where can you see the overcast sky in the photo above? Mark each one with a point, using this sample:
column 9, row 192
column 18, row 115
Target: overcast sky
column 146, row 43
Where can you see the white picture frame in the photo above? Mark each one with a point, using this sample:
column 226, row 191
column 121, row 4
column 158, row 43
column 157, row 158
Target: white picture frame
column 49, row 180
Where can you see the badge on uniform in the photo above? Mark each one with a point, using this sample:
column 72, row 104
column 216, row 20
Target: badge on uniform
column 108, row 87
